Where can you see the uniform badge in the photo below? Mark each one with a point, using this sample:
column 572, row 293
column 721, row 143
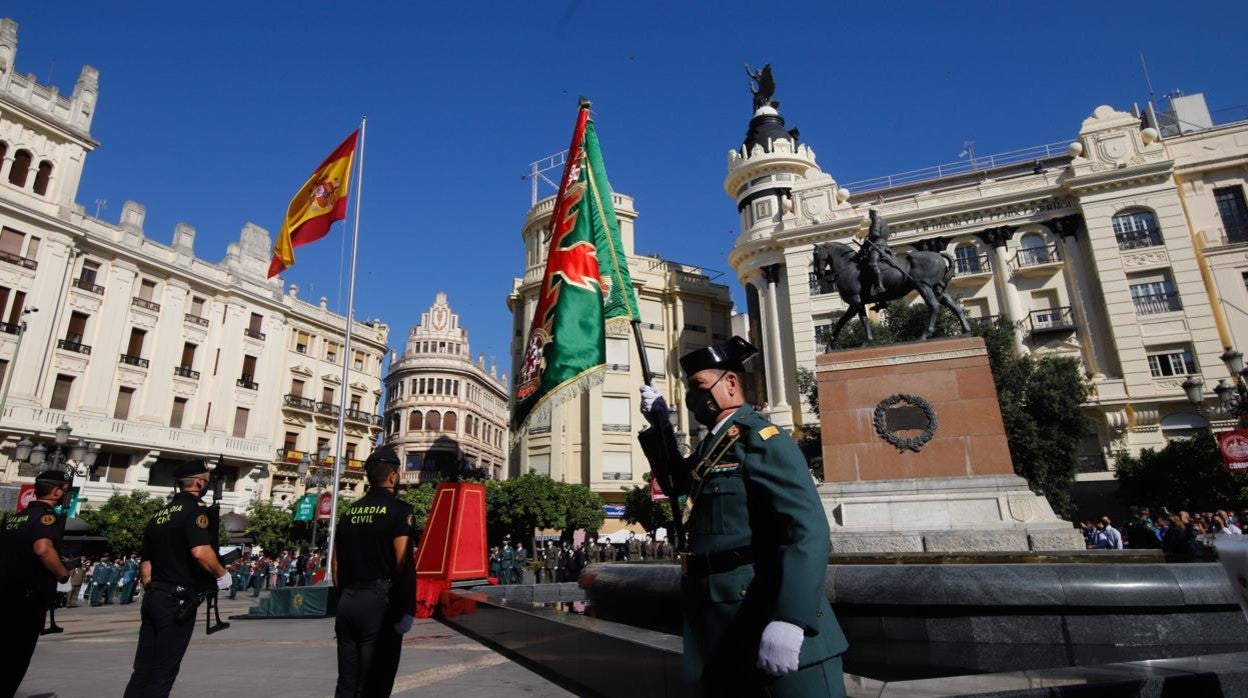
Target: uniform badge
column 202, row 521
column 734, row 431
column 768, row 432
column 48, row 519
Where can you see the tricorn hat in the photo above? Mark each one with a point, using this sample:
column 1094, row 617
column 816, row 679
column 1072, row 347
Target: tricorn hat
column 53, row 477
column 190, row 468
column 380, row 455
column 730, row 356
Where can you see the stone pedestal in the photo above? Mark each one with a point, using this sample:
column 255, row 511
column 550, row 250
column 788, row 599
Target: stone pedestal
column 915, row 456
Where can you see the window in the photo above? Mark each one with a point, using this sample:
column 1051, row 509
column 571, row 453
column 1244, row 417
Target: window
column 438, row 389
column 77, row 327
column 302, row 340
column 1136, row 228
column 19, row 304
column 90, row 272
column 12, row 242
column 322, row 444
column 188, row 354
column 657, row 360
column 20, row 168
column 1183, row 426
column 296, row 387
column 240, row 422
column 1033, row 250
column 249, row 369
column 1153, row 293
column 415, row 421
column 197, row 307
column 433, row 421
column 178, row 413
column 358, row 363
column 4, row 370
column 617, row 465
column 327, row 396
column 147, row 289
column 350, row 454
column 615, row 414
column 617, row 353
column 1234, row 213
column 135, row 347
column 450, row 422
column 111, row 467
column 42, row 177
column 60, row 392
column 122, row 409
column 967, row 259
column 540, row 464
column 355, row 402
column 1176, row 361
column 256, row 322
column 291, row 442
column 331, row 352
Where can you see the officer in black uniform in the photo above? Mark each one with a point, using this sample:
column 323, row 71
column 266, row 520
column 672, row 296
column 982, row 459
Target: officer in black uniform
column 30, row 567
column 179, row 567
column 375, row 575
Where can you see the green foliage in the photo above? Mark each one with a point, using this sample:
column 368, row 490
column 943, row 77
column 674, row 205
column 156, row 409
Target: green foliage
column 809, row 437
column 270, row 526
column 420, row 498
column 1041, row 399
column 582, row 507
column 523, row 504
column 1186, row 474
column 640, row 509
column 122, row 518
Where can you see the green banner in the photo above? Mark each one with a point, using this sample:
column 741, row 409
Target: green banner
column 305, row 507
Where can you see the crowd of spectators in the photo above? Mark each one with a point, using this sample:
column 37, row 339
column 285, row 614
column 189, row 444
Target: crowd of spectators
column 1179, row 534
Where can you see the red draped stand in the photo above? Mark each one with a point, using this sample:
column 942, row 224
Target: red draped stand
column 453, row 547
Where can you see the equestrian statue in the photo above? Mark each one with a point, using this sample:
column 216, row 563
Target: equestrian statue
column 875, row 275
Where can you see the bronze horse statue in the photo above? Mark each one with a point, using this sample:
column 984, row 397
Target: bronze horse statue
column 928, row 273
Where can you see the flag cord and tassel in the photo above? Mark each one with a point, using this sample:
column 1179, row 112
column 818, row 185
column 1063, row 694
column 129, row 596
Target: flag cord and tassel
column 339, row 450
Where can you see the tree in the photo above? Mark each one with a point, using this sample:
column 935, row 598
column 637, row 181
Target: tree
column 270, row 526
column 421, row 500
column 523, row 504
column 582, row 507
column 122, row 518
column 1186, row 474
column 640, row 509
column 1041, row 398
column 809, row 437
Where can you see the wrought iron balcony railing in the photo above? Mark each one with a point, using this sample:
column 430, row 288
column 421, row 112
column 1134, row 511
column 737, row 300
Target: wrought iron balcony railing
column 89, row 286
column 145, row 304
column 69, row 345
column 1051, row 320
column 1135, row 239
column 196, row 320
column 299, row 402
column 248, row 382
column 254, row 334
column 134, row 361
column 186, row 372
column 18, row 260
column 1154, row 303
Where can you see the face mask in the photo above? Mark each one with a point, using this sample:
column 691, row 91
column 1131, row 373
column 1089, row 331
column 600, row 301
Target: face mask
column 702, row 403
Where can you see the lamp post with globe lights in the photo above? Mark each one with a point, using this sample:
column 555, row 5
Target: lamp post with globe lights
column 76, row 460
column 1232, row 398
column 315, row 477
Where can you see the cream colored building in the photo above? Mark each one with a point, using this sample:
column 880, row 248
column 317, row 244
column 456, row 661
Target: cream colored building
column 444, row 411
column 1124, row 248
column 143, row 348
column 592, row 439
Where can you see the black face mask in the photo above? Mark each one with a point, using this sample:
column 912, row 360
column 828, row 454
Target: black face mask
column 703, row 405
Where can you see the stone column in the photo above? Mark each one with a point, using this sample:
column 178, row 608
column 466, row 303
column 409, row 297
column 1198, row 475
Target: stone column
column 774, row 354
column 1067, row 228
column 1007, row 295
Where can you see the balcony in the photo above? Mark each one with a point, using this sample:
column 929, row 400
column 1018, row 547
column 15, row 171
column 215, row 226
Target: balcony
column 134, row 361
column 1036, row 261
column 290, row 455
column 299, row 402
column 18, row 260
column 983, row 320
column 10, row 328
column 89, row 286
column 617, row 427
column 355, row 464
column 356, row 415
column 69, row 345
column 617, row 476
column 145, row 304
column 1135, row 239
column 248, row 382
column 1051, row 320
column 1156, row 303
column 327, row 409
column 254, row 334
column 195, row 320
column 186, row 372
column 623, row 368
column 1091, row 464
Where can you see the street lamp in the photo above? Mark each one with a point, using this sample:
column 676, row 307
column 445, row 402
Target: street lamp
column 1232, row 397
column 76, row 459
column 315, row 477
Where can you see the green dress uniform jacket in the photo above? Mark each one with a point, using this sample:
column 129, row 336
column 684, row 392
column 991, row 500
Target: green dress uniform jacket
column 509, row 566
column 751, row 490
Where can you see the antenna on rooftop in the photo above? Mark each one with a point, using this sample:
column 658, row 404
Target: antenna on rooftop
column 1147, row 78
column 100, row 204
column 968, row 151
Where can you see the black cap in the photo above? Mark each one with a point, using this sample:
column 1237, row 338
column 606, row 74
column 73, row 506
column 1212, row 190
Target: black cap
column 730, row 355
column 53, row 477
column 190, row 468
column 380, row 455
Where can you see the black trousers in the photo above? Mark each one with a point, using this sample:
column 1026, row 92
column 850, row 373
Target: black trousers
column 20, row 620
column 162, row 643
column 368, row 647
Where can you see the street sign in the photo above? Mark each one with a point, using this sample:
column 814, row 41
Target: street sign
column 613, row 511
column 656, row 493
column 1234, row 447
column 304, row 507
column 324, row 507
column 25, row 497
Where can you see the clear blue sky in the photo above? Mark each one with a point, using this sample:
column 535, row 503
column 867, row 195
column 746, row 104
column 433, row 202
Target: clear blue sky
column 214, row 114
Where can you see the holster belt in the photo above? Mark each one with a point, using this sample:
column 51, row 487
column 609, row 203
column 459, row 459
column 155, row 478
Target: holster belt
column 714, row 563
column 180, row 592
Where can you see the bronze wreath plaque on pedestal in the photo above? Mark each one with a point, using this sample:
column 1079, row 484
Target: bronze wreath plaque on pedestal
column 903, row 413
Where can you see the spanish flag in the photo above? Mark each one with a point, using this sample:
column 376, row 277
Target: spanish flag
column 319, row 202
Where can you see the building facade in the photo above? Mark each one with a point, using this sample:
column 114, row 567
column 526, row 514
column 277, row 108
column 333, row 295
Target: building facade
column 445, row 413
column 591, row 439
column 1124, row 248
column 143, row 348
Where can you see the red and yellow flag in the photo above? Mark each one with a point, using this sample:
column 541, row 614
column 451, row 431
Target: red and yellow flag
column 318, row 203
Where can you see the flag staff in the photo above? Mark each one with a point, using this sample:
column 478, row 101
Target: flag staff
column 339, row 451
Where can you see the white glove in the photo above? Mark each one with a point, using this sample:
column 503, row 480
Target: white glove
column 403, row 625
column 224, row 582
column 648, row 396
column 779, row 648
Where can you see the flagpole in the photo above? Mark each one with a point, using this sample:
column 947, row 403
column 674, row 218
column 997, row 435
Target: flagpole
column 339, row 451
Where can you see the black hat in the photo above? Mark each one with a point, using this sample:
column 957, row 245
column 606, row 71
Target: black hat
column 730, row 355
column 380, row 455
column 53, row 477
column 190, row 468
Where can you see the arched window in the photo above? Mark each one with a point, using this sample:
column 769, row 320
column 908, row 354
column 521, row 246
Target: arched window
column 21, row 166
column 415, row 422
column 4, row 150
column 433, row 421
column 1136, row 228
column 1033, row 250
column 468, row 424
column 450, row 422
column 42, row 177
column 1183, row 425
column 968, row 259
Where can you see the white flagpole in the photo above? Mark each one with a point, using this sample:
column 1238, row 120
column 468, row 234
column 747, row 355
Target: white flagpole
column 339, row 446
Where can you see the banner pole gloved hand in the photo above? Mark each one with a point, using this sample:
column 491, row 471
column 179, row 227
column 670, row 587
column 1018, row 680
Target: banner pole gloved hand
column 653, row 404
column 779, row 648
column 224, row 582
column 403, row 624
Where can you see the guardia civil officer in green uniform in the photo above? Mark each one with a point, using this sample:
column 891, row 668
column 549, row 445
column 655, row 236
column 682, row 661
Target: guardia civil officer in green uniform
column 375, row 576
column 757, row 618
column 179, row 566
column 30, row 567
